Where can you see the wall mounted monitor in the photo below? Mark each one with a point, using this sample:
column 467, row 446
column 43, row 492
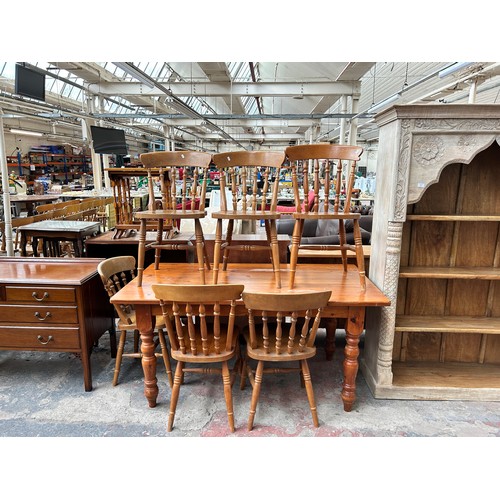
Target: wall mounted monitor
column 108, row 140
column 29, row 82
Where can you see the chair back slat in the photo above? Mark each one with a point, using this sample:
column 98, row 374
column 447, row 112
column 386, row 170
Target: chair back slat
column 242, row 169
column 279, row 332
column 190, row 302
column 203, row 330
column 275, row 309
column 191, row 329
column 186, row 169
column 292, row 332
column 333, row 172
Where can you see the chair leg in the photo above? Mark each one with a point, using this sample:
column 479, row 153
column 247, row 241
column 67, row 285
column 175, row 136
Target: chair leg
column 294, row 251
column 342, row 239
column 112, row 340
column 119, row 355
column 309, row 391
column 226, row 380
column 243, row 372
column 136, row 340
column 331, row 328
column 199, row 249
column 275, row 251
column 159, row 241
column 229, row 239
column 141, row 251
column 237, row 365
column 255, row 394
column 166, row 357
column 360, row 258
column 217, row 245
column 175, row 394
column 205, row 256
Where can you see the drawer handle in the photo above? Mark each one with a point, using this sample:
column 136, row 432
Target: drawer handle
column 47, row 315
column 35, row 296
column 44, row 342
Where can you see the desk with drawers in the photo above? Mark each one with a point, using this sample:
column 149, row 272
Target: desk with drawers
column 54, row 305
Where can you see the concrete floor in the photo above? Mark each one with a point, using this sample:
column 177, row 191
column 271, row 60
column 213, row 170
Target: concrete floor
column 42, row 395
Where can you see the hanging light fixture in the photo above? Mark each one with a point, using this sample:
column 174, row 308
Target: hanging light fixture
column 24, row 132
column 132, row 71
column 384, row 103
column 453, row 68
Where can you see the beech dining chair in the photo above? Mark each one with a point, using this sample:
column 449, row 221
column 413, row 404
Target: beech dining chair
column 115, row 273
column 280, row 331
column 254, row 196
column 328, row 170
column 195, row 339
column 188, row 175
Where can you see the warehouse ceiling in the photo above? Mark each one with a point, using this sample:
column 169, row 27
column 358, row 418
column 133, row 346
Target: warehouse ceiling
column 218, row 106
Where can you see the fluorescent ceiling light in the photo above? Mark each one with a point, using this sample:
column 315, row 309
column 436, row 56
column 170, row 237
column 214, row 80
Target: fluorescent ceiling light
column 133, row 72
column 25, row 132
column 383, row 103
column 453, row 68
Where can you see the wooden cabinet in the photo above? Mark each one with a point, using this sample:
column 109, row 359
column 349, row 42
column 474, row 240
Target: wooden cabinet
column 53, row 305
column 436, row 254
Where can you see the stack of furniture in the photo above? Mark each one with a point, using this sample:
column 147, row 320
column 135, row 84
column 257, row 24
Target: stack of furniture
column 332, row 158
column 241, row 170
column 187, row 170
column 120, row 179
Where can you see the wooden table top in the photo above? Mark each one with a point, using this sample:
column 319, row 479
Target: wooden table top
column 346, row 290
column 44, row 270
column 61, row 225
column 33, row 198
column 107, row 238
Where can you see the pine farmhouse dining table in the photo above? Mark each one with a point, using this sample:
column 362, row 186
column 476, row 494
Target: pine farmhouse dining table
column 347, row 301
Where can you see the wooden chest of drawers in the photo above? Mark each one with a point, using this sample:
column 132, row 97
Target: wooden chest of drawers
column 53, row 305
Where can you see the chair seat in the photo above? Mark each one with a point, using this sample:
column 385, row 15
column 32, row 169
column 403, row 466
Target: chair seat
column 240, row 214
column 259, row 353
column 170, row 214
column 326, row 216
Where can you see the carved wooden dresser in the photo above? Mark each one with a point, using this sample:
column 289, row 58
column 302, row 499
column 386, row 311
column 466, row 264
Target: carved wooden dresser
column 435, row 253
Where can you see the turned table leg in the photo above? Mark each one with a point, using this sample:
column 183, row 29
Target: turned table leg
column 145, row 324
column 331, row 328
column 354, row 328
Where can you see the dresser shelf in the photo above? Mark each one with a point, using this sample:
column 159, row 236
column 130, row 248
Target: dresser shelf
column 459, row 273
column 451, row 324
column 454, row 218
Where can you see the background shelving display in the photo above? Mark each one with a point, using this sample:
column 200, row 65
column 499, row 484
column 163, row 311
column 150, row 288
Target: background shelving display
column 61, row 167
